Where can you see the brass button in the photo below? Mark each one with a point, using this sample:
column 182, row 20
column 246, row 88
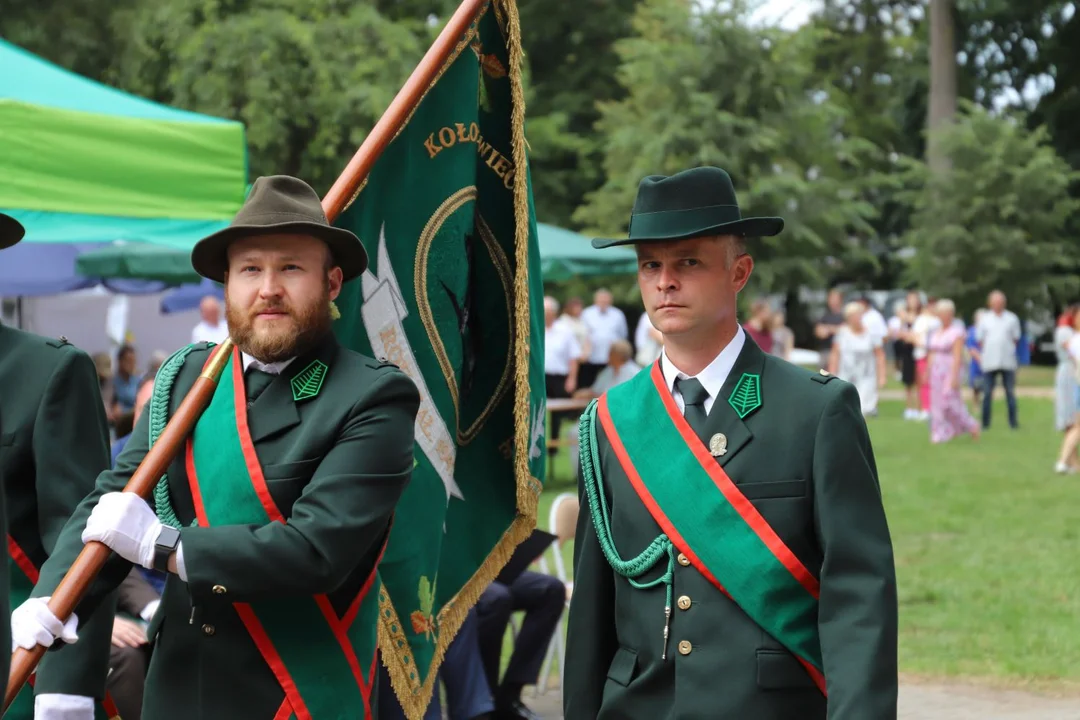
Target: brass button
column 683, row 560
column 218, row 589
column 684, row 602
column 209, row 630
column 685, row 647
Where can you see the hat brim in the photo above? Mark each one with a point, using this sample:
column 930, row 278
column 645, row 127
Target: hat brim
column 747, row 227
column 11, row 231
column 210, row 256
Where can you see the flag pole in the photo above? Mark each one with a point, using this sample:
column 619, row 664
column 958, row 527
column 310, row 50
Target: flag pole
column 91, row 560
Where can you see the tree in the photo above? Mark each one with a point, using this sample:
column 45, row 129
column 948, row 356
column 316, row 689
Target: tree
column 999, row 218
column 942, row 79
column 309, row 81
column 569, row 50
column 704, row 89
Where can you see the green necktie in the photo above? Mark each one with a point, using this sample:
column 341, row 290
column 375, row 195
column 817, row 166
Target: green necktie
column 255, row 381
column 694, row 396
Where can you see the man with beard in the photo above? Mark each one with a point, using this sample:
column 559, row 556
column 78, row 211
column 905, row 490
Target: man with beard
column 53, row 444
column 271, row 521
column 732, row 557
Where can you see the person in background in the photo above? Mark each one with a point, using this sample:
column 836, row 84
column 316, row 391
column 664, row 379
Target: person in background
column 998, row 333
column 873, row 320
column 759, row 326
column 925, row 323
column 157, row 359
column 561, row 362
column 904, row 352
column 125, row 381
column 1067, row 347
column 948, row 415
column 831, row 321
column 571, row 318
column 971, row 344
column 783, row 339
column 104, row 365
column 857, row 356
column 543, row 598
column 606, row 324
column 648, row 341
column 136, row 602
column 620, row 368
column 212, row 326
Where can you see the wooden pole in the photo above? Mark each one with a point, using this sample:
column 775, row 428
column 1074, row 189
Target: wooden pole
column 88, row 564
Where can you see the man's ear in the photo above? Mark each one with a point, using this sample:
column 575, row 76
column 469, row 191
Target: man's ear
column 740, row 271
column 334, row 278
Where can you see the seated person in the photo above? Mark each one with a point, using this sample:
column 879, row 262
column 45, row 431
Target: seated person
column 129, row 658
column 462, row 673
column 620, row 368
column 543, row 598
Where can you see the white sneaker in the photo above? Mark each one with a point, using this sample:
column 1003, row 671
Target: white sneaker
column 1061, row 468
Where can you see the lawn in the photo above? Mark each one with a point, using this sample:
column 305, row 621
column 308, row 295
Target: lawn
column 986, row 538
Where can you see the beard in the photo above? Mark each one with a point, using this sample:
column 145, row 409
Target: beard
column 289, row 336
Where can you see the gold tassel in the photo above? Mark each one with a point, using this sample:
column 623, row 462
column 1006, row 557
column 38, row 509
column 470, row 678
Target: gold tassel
column 335, row 314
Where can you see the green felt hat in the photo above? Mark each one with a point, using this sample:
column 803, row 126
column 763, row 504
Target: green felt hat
column 279, row 204
column 694, row 203
column 11, row 231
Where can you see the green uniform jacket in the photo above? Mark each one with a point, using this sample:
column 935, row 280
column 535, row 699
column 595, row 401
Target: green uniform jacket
column 53, row 445
column 804, row 460
column 335, row 464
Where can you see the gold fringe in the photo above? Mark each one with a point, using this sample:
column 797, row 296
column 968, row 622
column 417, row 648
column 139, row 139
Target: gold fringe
column 414, row 698
column 335, row 314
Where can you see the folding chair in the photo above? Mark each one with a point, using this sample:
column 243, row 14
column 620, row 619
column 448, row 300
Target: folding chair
column 562, row 523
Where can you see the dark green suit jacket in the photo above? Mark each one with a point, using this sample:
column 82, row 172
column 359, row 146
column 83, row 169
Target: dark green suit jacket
column 804, row 460
column 335, row 464
column 53, row 445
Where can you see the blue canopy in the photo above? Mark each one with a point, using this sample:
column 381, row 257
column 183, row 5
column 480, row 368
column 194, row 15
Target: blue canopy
column 30, row 269
column 188, row 297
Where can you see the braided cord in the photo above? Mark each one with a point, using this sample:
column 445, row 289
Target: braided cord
column 591, row 478
column 159, row 415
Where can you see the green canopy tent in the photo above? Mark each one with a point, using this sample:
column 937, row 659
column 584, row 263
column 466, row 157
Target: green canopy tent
column 563, row 254
column 82, row 163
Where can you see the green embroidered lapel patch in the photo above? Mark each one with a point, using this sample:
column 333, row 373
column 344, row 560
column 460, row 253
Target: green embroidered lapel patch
column 746, row 397
column 307, row 383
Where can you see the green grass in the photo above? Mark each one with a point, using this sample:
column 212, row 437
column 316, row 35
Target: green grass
column 986, row 543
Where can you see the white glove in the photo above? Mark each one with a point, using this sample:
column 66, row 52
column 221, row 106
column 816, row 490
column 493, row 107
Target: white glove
column 32, row 624
column 57, row 706
column 125, row 523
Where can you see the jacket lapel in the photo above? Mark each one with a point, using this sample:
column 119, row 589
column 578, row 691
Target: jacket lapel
column 723, row 418
column 275, row 410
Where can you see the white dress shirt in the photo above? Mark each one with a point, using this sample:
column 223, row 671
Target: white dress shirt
column 712, row 378
column 605, row 327
column 205, row 332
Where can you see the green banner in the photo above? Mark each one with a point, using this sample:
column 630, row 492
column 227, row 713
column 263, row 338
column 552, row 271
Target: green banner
column 453, row 296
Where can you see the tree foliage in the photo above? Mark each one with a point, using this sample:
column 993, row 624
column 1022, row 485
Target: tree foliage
column 704, row 89
column 998, row 218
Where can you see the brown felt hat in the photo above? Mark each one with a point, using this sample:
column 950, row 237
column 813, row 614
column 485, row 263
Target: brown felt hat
column 279, row 204
column 11, row 231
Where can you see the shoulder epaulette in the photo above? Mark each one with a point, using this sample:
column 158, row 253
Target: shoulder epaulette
column 381, row 363
column 57, row 342
column 823, row 376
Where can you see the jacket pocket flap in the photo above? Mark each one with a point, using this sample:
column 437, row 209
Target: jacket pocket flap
column 623, row 666
column 773, row 490
column 780, row 670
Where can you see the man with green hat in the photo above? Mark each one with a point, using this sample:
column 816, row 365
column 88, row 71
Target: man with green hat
column 272, row 520
column 732, row 558
column 54, row 441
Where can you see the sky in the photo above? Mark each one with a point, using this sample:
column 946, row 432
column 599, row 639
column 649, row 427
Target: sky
column 789, row 14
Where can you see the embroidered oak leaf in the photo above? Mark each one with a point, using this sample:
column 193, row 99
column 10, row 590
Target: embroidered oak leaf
column 423, row 620
column 746, row 398
column 307, row 383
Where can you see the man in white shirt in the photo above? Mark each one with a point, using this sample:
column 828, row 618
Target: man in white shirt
column 648, row 341
column 997, row 333
column 607, row 324
column 212, row 327
column 562, row 360
column 874, row 321
column 732, row 553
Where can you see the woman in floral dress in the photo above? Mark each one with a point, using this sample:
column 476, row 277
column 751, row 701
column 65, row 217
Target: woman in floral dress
column 949, row 416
